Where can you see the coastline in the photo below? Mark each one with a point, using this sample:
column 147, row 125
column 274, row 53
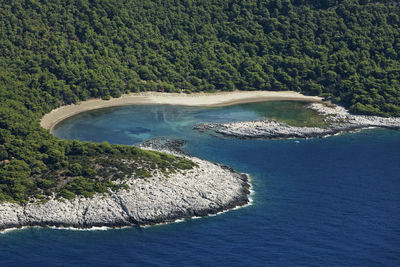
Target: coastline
column 50, row 120
column 208, row 189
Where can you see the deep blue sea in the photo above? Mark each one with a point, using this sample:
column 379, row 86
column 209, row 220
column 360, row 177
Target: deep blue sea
column 331, row 201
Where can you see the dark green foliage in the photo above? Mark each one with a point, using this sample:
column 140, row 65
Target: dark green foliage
column 56, row 52
column 65, row 193
column 75, row 169
column 82, row 186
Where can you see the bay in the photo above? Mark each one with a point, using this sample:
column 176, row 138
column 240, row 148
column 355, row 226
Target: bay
column 323, row 201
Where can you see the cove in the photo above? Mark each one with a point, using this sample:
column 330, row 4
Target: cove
column 323, row 201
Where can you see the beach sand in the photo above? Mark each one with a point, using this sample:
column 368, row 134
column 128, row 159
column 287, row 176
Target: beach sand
column 50, row 120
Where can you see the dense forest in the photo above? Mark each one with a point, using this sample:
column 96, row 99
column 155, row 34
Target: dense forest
column 55, row 52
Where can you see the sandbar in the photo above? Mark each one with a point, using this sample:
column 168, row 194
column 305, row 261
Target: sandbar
column 50, row 120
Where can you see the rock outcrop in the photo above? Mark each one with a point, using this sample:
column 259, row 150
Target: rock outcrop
column 206, row 189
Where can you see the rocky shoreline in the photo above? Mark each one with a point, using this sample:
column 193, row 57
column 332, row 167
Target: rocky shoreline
column 336, row 118
column 206, row 189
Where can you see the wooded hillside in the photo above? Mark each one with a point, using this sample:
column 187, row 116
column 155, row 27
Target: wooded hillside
column 60, row 52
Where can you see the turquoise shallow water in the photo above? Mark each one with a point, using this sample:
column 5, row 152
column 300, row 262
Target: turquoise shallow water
column 324, row 201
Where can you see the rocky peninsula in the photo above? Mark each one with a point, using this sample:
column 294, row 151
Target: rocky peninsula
column 206, row 189
column 337, row 120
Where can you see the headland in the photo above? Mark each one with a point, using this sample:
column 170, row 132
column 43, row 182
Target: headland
column 203, row 190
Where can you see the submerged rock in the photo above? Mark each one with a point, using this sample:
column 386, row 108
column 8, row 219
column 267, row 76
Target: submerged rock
column 166, row 144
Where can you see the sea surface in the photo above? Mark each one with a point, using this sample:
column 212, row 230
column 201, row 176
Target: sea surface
column 331, row 201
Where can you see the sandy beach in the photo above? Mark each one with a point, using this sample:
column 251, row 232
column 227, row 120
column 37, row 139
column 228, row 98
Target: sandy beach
column 196, row 99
